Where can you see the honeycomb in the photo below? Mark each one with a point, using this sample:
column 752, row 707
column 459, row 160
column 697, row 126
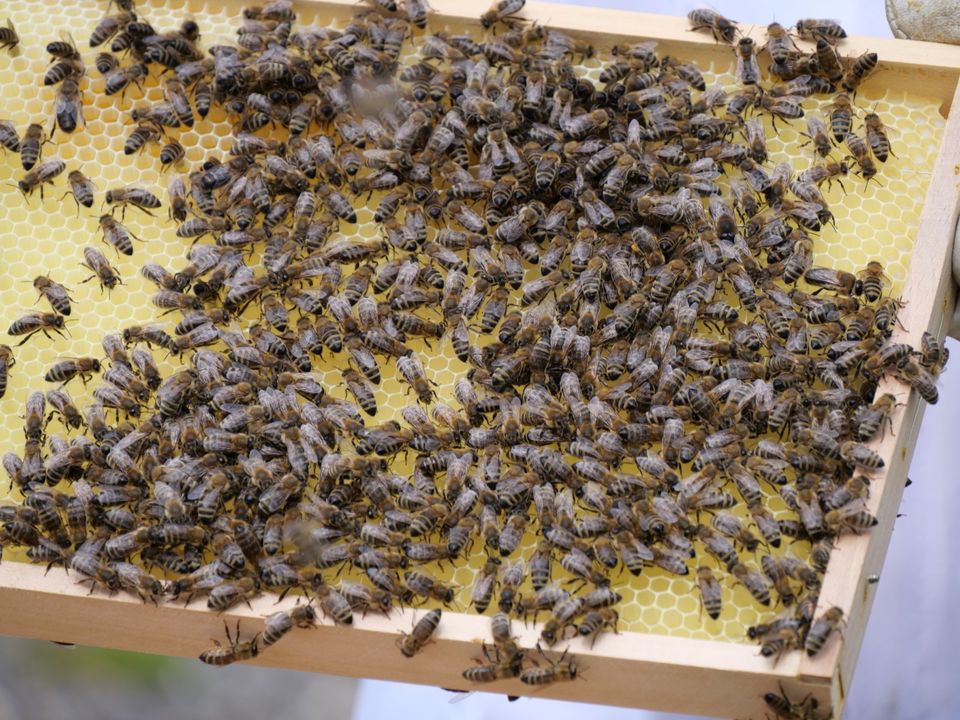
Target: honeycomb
column 876, row 220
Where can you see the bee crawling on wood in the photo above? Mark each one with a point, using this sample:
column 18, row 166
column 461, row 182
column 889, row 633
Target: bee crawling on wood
column 234, row 651
column 561, row 670
column 785, row 709
column 821, row 630
column 501, row 11
column 412, row 643
column 707, row 19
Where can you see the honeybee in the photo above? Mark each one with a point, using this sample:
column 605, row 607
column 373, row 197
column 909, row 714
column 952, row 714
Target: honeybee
column 109, row 26
column 754, row 581
column 31, row 145
column 830, row 279
column 756, row 140
column 821, row 630
column 33, row 323
column 423, row 630
column 8, row 135
column 118, row 79
column 841, row 116
column 513, row 576
column 68, row 107
column 594, row 621
column 707, row 19
column 861, row 67
column 860, row 152
column 280, row 623
column 428, row 587
column 69, row 368
column 56, row 294
column 95, row 262
column 564, row 610
column 820, row 29
column 334, row 605
column 782, row 707
column 132, row 195
column 594, row 365
column 116, row 234
column 8, row 36
column 7, row 361
column 43, row 173
column 877, row 136
column 483, row 587
column 235, row 651
column 786, row 106
column 411, row 370
column 501, row 11
column 779, row 44
column 851, row 517
column 228, row 593
column 502, row 666
column 560, row 671
column 82, row 189
column 858, row 454
column 138, row 139
column 417, row 11
column 919, row 378
column 748, row 69
column 933, row 353
column 818, row 137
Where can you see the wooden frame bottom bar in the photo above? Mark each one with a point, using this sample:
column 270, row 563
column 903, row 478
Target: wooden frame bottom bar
column 629, row 669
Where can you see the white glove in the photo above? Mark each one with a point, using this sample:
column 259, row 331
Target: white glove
column 932, row 20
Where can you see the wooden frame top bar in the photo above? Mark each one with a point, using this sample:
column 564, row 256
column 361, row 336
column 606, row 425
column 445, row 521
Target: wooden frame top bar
column 924, row 68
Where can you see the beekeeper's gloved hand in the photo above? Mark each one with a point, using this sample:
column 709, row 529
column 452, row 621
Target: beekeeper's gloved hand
column 934, row 21
column 931, row 20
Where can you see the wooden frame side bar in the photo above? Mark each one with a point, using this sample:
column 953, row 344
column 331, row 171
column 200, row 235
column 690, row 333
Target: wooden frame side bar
column 857, row 559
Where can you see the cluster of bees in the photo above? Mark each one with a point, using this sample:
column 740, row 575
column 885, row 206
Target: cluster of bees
column 653, row 355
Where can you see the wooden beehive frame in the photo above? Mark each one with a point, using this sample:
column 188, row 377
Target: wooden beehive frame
column 629, row 669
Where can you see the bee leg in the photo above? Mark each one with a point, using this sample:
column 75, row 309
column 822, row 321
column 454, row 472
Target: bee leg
column 29, row 335
column 486, row 654
column 782, row 691
column 541, row 653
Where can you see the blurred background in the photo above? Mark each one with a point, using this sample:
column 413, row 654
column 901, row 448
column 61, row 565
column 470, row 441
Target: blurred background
column 906, row 668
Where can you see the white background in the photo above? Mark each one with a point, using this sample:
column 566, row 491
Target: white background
column 908, row 664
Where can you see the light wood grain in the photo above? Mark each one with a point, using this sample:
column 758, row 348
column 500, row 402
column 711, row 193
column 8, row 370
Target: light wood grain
column 629, row 669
